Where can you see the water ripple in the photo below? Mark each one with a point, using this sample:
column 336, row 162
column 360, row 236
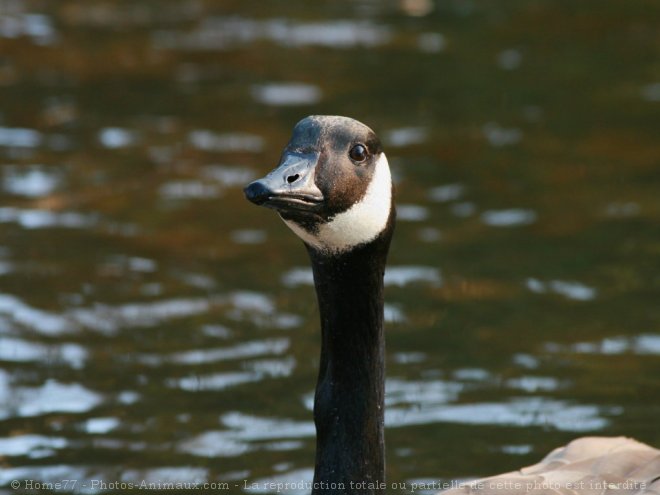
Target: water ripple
column 109, row 319
column 257, row 371
column 399, row 276
column 569, row 289
column 446, row 193
column 534, row 384
column 228, row 176
column 297, row 482
column 644, row 344
column 42, row 321
column 42, row 219
column 240, row 351
column 651, row 92
column 117, row 137
column 19, row 137
column 18, row 350
column 431, row 42
column 512, row 217
column 405, row 136
column 37, row 27
column 522, row 412
column 399, row 391
column 33, row 182
column 51, row 397
column 100, row 426
column 206, row 140
column 34, row 446
column 241, row 433
column 411, row 213
column 509, row 59
column 249, row 236
column 166, row 474
column 499, row 136
column 188, row 189
column 286, row 94
column 46, row 473
column 225, row 33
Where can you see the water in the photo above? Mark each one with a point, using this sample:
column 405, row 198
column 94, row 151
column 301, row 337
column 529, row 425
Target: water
column 155, row 326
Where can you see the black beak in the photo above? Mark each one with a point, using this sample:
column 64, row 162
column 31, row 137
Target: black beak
column 257, row 192
column 290, row 186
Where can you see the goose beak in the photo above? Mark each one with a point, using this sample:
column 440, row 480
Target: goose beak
column 290, row 187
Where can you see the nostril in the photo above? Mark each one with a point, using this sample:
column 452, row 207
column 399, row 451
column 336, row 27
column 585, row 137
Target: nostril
column 292, row 178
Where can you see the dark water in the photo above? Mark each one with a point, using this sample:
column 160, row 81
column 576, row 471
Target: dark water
column 155, row 326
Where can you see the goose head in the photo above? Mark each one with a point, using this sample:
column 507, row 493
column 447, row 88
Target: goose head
column 332, row 186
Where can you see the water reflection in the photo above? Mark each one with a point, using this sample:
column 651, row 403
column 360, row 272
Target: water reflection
column 51, row 397
column 570, row 290
column 517, row 449
column 17, row 350
column 623, row 209
column 463, row 209
column 431, row 42
column 651, row 92
column 43, row 219
column 446, row 193
column 509, row 59
column 522, row 412
column 286, row 94
column 210, row 141
column 408, row 403
column 166, row 474
column 116, row 137
column 37, row 27
column 150, row 318
column 246, row 433
column 22, row 314
column 20, row 138
column 499, row 136
column 101, row 426
column 33, row 181
column 394, row 276
column 188, row 190
column 240, row 351
column 640, row 344
column 508, row 218
column 110, row 319
column 411, row 213
column 222, row 381
column 239, row 306
column 535, row 384
column 228, row 176
column 45, row 473
column 32, row 446
column 225, row 33
column 405, row 136
column 249, row 236
column 298, row 477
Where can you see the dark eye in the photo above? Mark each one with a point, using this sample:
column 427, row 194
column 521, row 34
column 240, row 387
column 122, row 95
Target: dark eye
column 358, row 153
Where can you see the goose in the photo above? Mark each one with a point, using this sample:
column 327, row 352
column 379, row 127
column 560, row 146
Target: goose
column 333, row 189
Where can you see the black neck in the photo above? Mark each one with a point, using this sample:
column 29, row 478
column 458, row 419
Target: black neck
column 348, row 405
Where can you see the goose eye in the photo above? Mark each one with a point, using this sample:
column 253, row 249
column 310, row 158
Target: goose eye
column 358, row 153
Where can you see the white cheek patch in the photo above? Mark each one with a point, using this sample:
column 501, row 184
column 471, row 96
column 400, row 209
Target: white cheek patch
column 361, row 223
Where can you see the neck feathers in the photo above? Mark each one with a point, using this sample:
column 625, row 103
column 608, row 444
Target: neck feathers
column 349, row 406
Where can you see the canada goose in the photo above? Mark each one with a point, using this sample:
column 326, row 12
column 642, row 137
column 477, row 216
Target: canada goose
column 333, row 188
